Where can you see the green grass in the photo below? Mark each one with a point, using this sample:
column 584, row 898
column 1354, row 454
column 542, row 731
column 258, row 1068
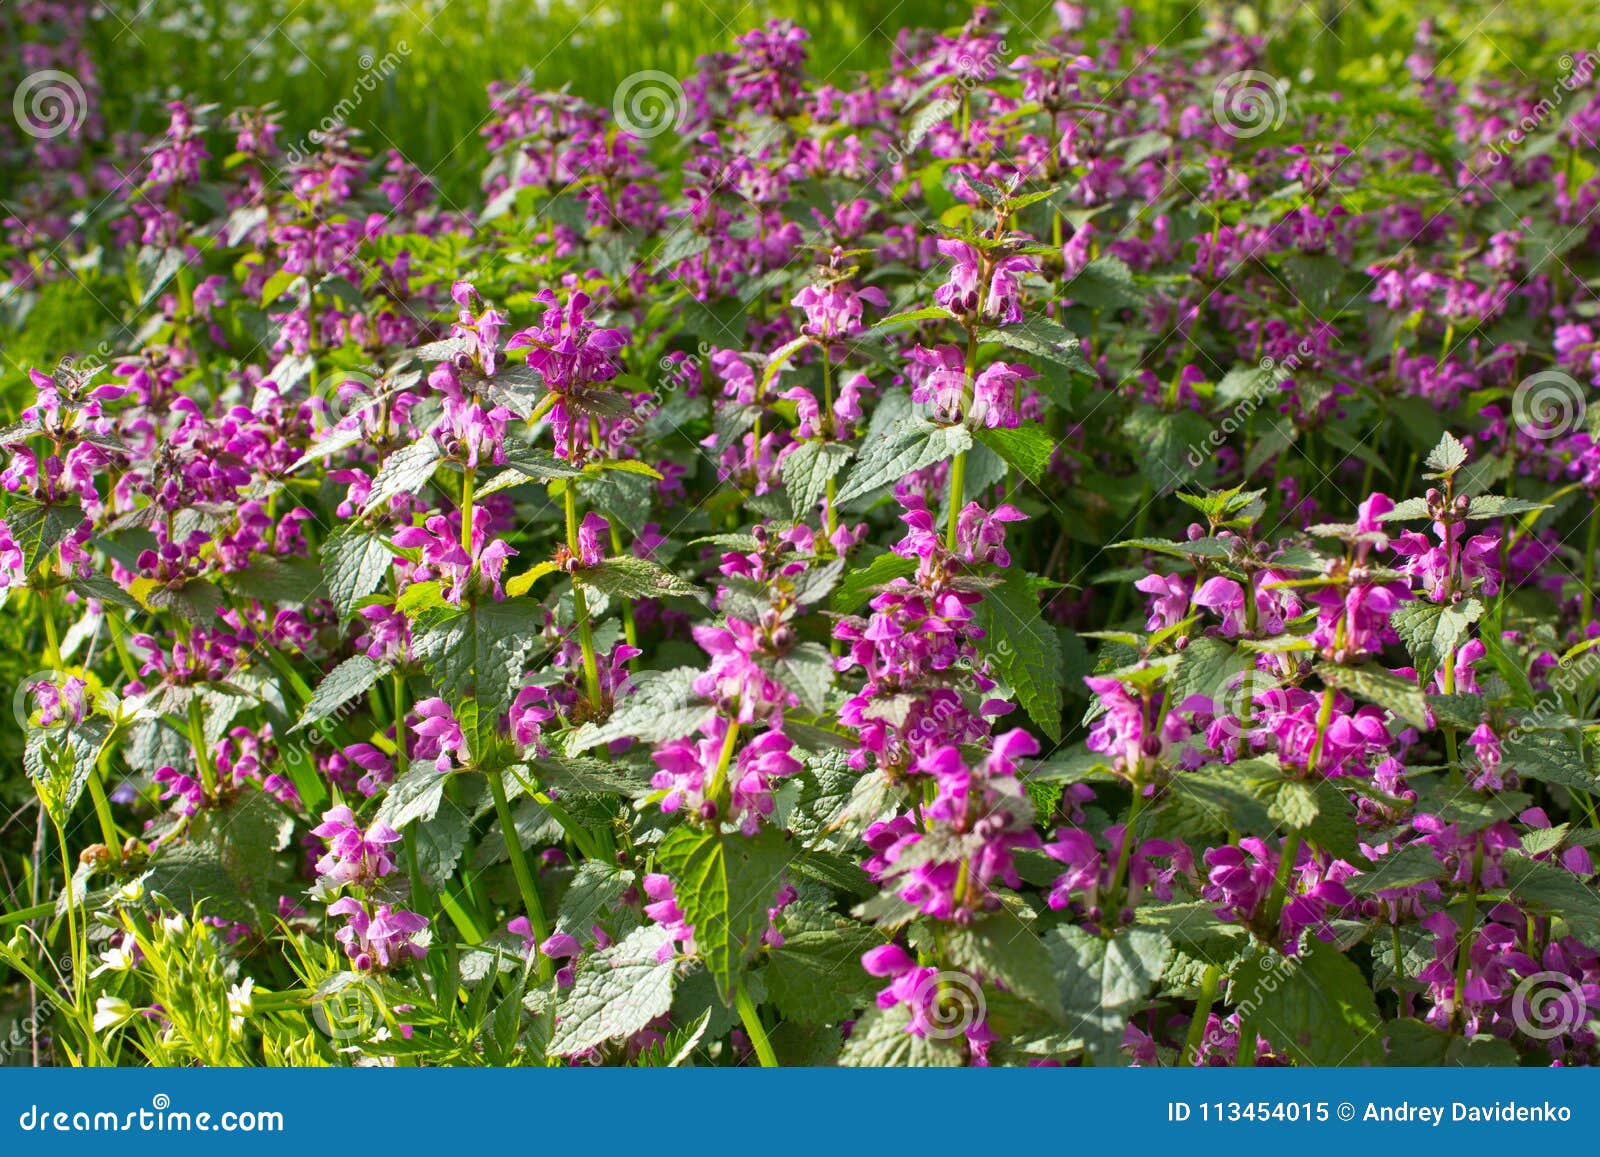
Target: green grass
column 309, row 55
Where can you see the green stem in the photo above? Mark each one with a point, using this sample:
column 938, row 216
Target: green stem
column 958, row 467
column 751, row 1019
column 102, row 811
column 719, row 780
column 831, row 524
column 958, row 486
column 202, row 753
column 1588, row 568
column 1280, row 882
column 520, row 869
column 1124, row 854
column 1209, row 981
column 1469, row 922
column 580, row 605
column 52, row 646
column 630, row 632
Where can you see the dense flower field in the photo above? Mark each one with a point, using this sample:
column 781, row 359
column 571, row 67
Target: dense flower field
column 1053, row 553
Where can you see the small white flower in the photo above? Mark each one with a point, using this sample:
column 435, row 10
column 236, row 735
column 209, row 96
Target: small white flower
column 114, row 960
column 241, row 1002
column 132, row 891
column 111, row 1011
column 175, row 924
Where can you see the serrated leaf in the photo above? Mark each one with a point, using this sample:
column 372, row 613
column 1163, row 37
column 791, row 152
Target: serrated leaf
column 1432, row 632
column 1042, row 338
column 405, row 471
column 1448, row 456
column 1104, row 980
column 414, row 795
column 596, row 887
column 662, row 705
column 628, row 577
column 815, row 976
column 60, row 762
column 615, row 993
column 1022, row 648
column 480, row 652
column 908, row 445
column 724, row 884
column 880, row 1040
column 1318, row 1006
column 807, row 670
column 1026, row 449
column 38, row 529
column 806, row 471
column 539, row 465
column 1000, row 947
column 339, row 686
column 860, row 584
column 1372, row 683
column 1500, row 506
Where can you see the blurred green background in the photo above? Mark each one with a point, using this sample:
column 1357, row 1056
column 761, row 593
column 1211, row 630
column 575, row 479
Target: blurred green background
column 308, row 55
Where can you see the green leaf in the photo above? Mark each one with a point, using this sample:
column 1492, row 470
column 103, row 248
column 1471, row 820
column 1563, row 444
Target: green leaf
column 1549, row 756
column 405, row 471
column 354, row 563
column 926, row 118
column 596, row 887
column 806, row 471
column 1294, row 806
column 662, row 705
column 1413, row 1044
column 880, row 1040
column 415, row 795
column 860, row 584
column 724, row 884
column 1171, row 446
column 1000, row 947
column 908, row 445
column 1318, row 1007
column 480, row 652
column 1314, row 278
column 780, row 357
column 1022, row 648
column 1432, row 632
column 1104, row 981
column 60, row 762
column 282, row 582
column 1448, row 456
column 98, row 586
column 616, row 992
column 1372, row 683
column 1042, row 338
column 539, row 465
column 1404, row 867
column 815, row 977
column 1104, row 283
column 1500, row 506
column 807, row 670
column 1027, row 449
column 38, row 529
column 628, row 577
column 908, row 318
column 339, row 686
